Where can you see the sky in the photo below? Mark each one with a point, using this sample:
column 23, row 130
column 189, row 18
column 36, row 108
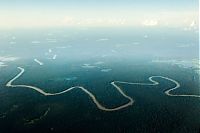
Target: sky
column 54, row 13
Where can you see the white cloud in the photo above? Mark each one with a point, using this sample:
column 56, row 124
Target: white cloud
column 150, row 23
column 184, row 45
column 12, row 42
column 103, row 39
column 106, row 70
column 4, row 59
column 51, row 40
column 8, row 59
column 68, row 20
column 35, row 42
column 2, row 64
column 192, row 24
column 133, row 17
column 146, row 36
column 88, row 66
column 194, row 63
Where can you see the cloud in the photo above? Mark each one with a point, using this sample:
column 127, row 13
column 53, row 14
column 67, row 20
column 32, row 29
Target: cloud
column 12, row 42
column 95, row 21
column 68, row 20
column 35, row 42
column 150, row 23
column 4, row 59
column 88, row 66
column 7, row 59
column 184, row 45
column 106, row 70
column 102, row 39
column 130, row 17
column 2, row 64
column 194, row 63
column 192, row 25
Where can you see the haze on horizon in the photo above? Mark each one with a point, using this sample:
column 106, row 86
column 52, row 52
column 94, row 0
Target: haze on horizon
column 89, row 13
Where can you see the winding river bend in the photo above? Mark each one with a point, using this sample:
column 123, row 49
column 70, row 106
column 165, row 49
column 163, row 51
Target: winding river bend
column 168, row 92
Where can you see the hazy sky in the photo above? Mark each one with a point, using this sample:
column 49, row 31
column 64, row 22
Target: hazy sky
column 52, row 13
